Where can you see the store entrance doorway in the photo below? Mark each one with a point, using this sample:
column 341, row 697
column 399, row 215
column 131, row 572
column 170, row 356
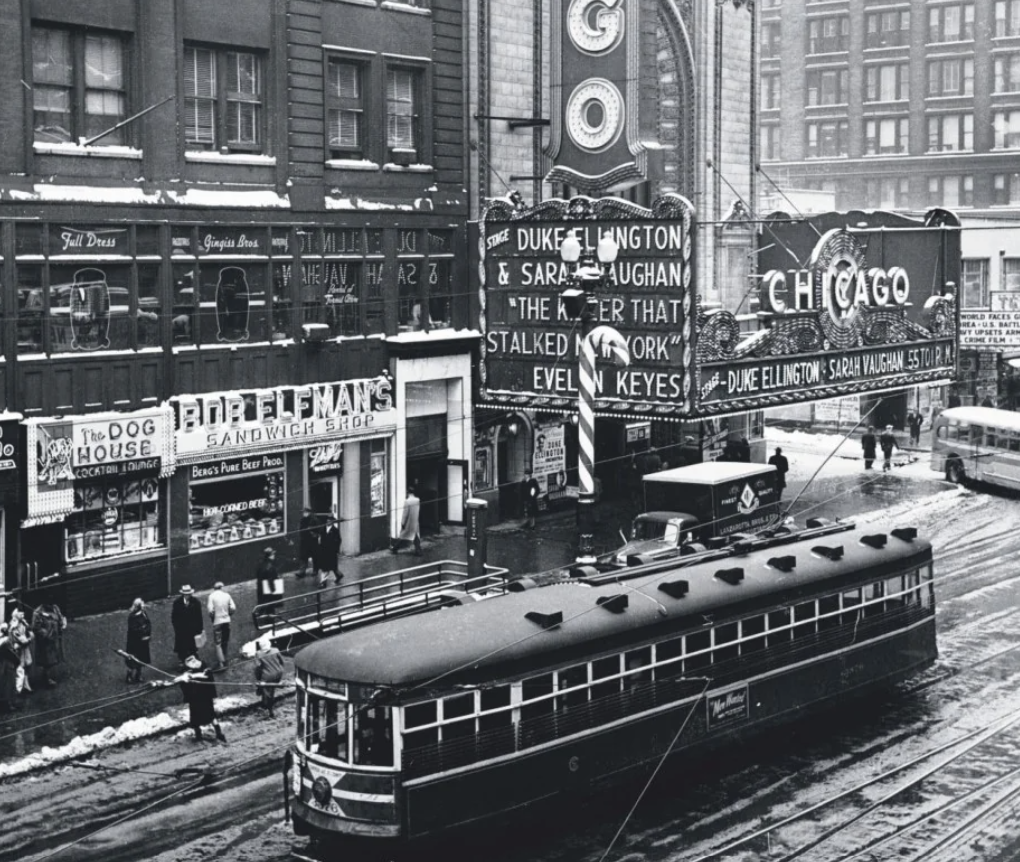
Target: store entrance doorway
column 324, row 497
column 428, row 478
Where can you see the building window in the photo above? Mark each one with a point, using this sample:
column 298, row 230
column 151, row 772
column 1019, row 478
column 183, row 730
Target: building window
column 440, row 278
column 403, row 113
column 950, row 133
column 79, row 87
column 951, row 77
column 827, row 139
column 826, row 35
column 884, row 29
column 1007, row 129
column 1006, row 189
column 888, row 193
column 975, row 283
column 827, row 87
column 222, row 100
column 771, row 91
column 885, row 137
column 113, row 516
column 951, row 191
column 1010, row 273
column 345, row 108
column 771, row 38
column 1007, row 18
column 951, row 23
column 887, row 83
column 771, row 143
column 1007, row 73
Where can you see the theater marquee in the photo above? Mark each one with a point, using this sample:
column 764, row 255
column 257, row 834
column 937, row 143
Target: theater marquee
column 872, row 306
column 531, row 344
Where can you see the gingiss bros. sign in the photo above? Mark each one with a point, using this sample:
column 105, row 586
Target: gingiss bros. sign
column 531, row 343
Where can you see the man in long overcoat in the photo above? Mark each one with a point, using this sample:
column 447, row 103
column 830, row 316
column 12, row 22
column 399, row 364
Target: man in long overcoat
column 186, row 618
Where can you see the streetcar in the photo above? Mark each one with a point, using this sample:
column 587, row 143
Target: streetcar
column 415, row 727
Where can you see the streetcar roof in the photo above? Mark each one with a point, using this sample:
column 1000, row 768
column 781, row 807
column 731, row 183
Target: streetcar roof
column 505, row 635
column 710, row 472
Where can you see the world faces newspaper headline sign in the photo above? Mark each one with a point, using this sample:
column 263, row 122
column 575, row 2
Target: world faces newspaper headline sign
column 532, row 344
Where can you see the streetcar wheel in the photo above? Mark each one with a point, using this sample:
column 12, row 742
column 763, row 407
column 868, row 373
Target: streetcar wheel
column 955, row 472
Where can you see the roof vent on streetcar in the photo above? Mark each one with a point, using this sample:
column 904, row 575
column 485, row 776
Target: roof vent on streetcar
column 716, row 542
column 783, row 564
column 546, row 621
column 520, row 585
column 617, row 604
column 830, row 552
column 731, row 576
column 907, row 534
column 638, row 559
column 875, row 540
column 812, row 523
column 675, row 589
column 692, row 548
column 583, row 571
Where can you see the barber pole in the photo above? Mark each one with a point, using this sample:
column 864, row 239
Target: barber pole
column 607, row 342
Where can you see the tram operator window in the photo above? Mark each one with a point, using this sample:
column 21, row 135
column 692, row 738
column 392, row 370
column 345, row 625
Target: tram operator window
column 373, row 736
column 327, row 727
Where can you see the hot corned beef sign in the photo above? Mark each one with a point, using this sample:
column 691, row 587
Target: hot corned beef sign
column 848, row 302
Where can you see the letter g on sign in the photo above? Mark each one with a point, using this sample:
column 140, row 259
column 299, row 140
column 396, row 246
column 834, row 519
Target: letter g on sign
column 595, row 26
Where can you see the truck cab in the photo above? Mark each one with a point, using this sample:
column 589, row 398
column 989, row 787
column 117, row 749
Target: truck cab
column 655, row 535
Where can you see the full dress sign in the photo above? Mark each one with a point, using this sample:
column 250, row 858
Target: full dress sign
column 531, row 344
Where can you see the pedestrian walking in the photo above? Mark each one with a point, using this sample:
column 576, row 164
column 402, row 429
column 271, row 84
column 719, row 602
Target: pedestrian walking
column 915, row 429
column 9, row 662
column 743, row 448
column 309, row 541
column 782, row 465
column 200, row 694
column 269, row 587
column 189, row 628
column 869, row 443
column 529, row 494
column 48, row 624
column 888, row 442
column 139, row 638
column 21, row 638
column 221, row 608
column 330, row 564
column 409, row 525
column 268, row 672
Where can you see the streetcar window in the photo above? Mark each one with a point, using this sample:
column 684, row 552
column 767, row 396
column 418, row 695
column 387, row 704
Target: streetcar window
column 804, row 615
column 667, row 659
column 418, row 714
column 926, row 573
column 726, row 642
column 497, row 698
column 779, row 631
column 851, row 601
column 326, row 727
column 893, row 593
column 910, row 582
column 752, row 630
column 534, row 688
column 602, row 668
column 873, row 604
column 459, row 705
column 828, row 613
column 420, row 738
column 571, row 678
column 699, row 654
column 373, row 736
column 637, row 658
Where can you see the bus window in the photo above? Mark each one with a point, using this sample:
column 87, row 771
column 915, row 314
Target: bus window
column 533, row 688
column 828, row 613
column 699, row 651
column 752, row 633
column 804, row 615
column 726, row 642
column 602, row 668
column 373, row 736
column 977, row 434
column 990, row 437
column 572, row 678
column 779, row 627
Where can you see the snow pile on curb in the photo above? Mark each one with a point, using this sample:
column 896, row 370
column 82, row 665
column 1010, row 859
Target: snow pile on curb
column 108, row 737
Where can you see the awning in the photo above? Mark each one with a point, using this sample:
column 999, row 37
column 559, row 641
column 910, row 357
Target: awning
column 1014, row 363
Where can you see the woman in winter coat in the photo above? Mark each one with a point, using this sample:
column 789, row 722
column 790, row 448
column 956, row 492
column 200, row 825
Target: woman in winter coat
column 9, row 662
column 139, row 635
column 21, row 636
column 200, row 695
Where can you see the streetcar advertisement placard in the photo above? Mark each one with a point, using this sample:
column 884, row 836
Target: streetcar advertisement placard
column 730, row 707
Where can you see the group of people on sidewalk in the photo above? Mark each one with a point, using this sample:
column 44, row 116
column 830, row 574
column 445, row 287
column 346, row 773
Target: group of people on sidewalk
column 30, row 650
column 886, row 441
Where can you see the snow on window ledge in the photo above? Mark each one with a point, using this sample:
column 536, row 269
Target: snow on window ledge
column 397, row 6
column 98, row 151
column 407, row 169
column 209, row 157
column 352, row 164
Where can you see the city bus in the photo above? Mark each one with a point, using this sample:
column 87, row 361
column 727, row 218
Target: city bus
column 415, row 727
column 980, row 444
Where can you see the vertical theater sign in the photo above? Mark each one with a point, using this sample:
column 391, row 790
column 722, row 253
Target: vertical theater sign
column 848, row 303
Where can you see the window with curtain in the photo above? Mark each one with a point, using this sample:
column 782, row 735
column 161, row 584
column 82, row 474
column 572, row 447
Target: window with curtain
column 402, row 110
column 885, row 136
column 950, row 132
column 223, row 100
column 345, row 110
column 79, row 87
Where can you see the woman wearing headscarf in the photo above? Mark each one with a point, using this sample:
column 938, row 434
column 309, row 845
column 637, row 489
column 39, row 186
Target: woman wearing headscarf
column 139, row 635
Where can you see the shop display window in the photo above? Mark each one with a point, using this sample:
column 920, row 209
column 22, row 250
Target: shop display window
column 90, row 308
column 378, row 478
column 31, row 308
column 232, row 303
column 150, row 311
column 113, row 516
column 183, row 322
column 238, row 509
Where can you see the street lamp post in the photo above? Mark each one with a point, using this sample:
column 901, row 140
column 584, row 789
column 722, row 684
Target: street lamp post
column 591, row 268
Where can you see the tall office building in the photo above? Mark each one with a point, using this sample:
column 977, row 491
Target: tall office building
column 892, row 104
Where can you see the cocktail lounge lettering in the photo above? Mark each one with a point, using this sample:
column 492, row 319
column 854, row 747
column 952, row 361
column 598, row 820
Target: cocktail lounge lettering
column 281, row 415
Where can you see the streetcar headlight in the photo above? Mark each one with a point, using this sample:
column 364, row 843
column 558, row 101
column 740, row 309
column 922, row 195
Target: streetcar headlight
column 322, row 791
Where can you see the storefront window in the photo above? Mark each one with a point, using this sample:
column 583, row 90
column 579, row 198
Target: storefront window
column 241, row 508
column 378, row 478
column 341, row 280
column 31, row 305
column 150, row 308
column 183, row 321
column 372, row 277
column 440, row 288
column 483, row 469
column 282, row 302
column 233, row 303
column 113, row 516
column 89, row 308
column 409, row 277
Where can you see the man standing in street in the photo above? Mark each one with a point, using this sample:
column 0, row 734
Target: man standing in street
column 269, row 586
column 268, row 672
column 186, row 618
column 888, row 442
column 529, row 491
column 309, row 541
column 330, row 549
column 869, row 444
column 409, row 525
column 221, row 609
column 782, row 466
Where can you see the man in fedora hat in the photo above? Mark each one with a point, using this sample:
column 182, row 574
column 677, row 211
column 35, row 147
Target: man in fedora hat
column 199, row 694
column 186, row 618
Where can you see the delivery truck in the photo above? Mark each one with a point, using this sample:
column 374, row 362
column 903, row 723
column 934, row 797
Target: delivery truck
column 701, row 503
